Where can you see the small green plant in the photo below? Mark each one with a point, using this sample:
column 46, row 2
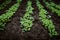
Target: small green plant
column 51, row 7
column 4, row 4
column 54, row 5
column 18, row 1
column 27, row 19
column 47, row 22
column 4, row 18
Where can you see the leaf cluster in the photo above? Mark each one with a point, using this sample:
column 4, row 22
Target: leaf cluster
column 51, row 6
column 46, row 22
column 27, row 19
column 4, row 4
column 4, row 18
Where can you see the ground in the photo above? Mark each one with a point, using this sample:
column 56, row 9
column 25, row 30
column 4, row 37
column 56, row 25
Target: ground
column 38, row 32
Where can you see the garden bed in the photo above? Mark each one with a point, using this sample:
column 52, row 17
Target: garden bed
column 13, row 29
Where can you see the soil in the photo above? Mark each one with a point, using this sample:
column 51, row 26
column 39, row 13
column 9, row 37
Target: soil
column 1, row 1
column 56, row 1
column 38, row 32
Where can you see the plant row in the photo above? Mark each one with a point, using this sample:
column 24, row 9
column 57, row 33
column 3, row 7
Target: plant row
column 46, row 19
column 51, row 7
column 4, row 18
column 27, row 19
column 4, row 4
column 53, row 4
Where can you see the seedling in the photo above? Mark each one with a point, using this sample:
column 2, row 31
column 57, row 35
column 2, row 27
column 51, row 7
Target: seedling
column 4, row 18
column 27, row 19
column 46, row 21
column 51, row 6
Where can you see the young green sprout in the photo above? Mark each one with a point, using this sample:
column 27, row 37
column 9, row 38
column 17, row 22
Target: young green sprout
column 4, row 18
column 27, row 19
column 53, row 7
column 47, row 22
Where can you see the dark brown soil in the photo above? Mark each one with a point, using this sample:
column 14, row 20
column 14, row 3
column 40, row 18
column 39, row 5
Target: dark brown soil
column 1, row 1
column 56, row 1
column 38, row 32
